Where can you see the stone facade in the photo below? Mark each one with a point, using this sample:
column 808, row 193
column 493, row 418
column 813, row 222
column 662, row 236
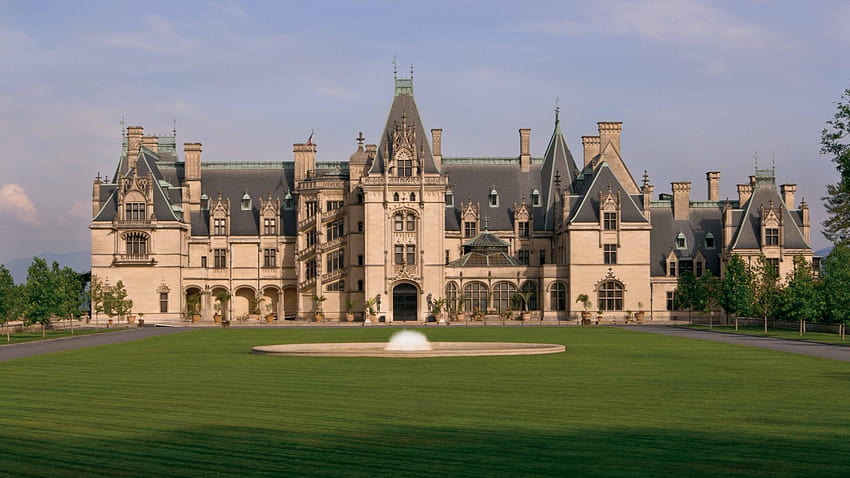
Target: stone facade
column 404, row 225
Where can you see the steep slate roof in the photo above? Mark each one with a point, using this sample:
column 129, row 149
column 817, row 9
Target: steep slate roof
column 701, row 221
column 473, row 179
column 587, row 208
column 166, row 201
column 403, row 104
column 232, row 182
column 558, row 161
column 749, row 227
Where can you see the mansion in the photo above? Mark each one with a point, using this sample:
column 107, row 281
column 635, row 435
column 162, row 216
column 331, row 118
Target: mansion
column 400, row 225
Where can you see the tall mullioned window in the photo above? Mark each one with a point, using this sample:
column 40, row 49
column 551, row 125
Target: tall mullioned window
column 610, row 253
column 335, row 260
column 503, row 293
column 269, row 258
column 219, row 227
column 558, row 296
column 405, row 167
column 269, row 226
column 470, row 229
column 771, row 236
column 411, row 222
column 219, row 258
column 334, row 230
column 524, row 229
column 163, row 302
column 134, row 211
column 137, row 244
column 609, row 221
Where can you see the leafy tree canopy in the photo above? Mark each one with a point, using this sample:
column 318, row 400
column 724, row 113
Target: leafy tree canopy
column 835, row 142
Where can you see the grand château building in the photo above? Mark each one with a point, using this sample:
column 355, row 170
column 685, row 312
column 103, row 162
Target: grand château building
column 403, row 224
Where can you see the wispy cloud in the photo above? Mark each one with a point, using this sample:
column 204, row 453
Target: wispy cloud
column 689, row 21
column 335, row 92
column 15, row 203
column 156, row 34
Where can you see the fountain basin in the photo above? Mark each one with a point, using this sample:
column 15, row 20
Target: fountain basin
column 438, row 349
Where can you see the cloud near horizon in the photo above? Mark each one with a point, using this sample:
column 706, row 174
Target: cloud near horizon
column 15, row 203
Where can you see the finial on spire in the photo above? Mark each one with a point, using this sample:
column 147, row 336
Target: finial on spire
column 411, row 71
column 174, row 128
column 557, row 108
column 395, row 69
column 645, row 177
column 486, row 220
column 360, row 139
column 123, row 131
column 756, row 157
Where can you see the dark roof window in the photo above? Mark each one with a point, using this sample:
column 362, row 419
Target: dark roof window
column 245, row 204
column 494, row 198
column 205, row 202
column 450, row 199
column 535, row 198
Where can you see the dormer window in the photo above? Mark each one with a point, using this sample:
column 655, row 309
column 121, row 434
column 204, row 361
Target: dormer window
column 450, row 199
column 134, row 211
column 245, row 203
column 535, row 198
column 681, row 242
column 493, row 198
column 709, row 241
column 288, row 202
column 404, row 164
column 205, row 202
column 771, row 236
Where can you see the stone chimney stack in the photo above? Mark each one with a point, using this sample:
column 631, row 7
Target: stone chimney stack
column 681, row 200
column 591, row 148
column 192, row 177
column 150, row 142
column 789, row 192
column 437, row 147
column 609, row 132
column 744, row 193
column 647, row 190
column 305, row 160
column 525, row 149
column 95, row 197
column 713, row 179
column 806, row 228
column 134, row 142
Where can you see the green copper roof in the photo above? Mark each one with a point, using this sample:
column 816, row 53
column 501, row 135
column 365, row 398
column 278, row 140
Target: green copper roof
column 404, row 86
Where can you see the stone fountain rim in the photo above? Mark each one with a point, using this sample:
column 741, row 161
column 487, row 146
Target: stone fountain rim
column 378, row 349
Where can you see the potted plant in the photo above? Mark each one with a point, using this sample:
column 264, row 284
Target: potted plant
column 221, row 306
column 640, row 314
column 628, row 316
column 461, row 313
column 369, row 305
column 584, row 300
column 254, row 308
column 437, row 310
column 350, row 304
column 318, row 315
column 270, row 315
column 522, row 299
column 193, row 307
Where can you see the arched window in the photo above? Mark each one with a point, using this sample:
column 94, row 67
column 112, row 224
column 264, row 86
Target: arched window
column 503, row 293
column 709, row 241
column 412, row 197
column 535, row 198
column 530, row 288
column 611, row 295
column 558, row 296
column 398, row 223
column 288, row 202
column 205, row 202
column 395, row 197
column 411, row 222
column 451, row 296
column 681, row 242
column 475, row 297
column 137, row 244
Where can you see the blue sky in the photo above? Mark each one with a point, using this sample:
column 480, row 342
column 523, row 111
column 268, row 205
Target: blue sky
column 698, row 85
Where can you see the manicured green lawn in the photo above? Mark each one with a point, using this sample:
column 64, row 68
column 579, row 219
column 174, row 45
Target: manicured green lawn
column 16, row 338
column 779, row 333
column 617, row 403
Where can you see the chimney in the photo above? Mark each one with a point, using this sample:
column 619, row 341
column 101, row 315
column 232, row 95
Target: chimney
column 150, row 142
column 681, row 200
column 134, row 142
column 525, row 149
column 713, row 179
column 192, row 158
column 437, row 147
column 753, row 181
column 591, row 148
column 647, row 190
column 788, row 193
column 609, row 132
column 728, row 225
column 744, row 193
column 305, row 160
column 95, row 196
column 806, row 227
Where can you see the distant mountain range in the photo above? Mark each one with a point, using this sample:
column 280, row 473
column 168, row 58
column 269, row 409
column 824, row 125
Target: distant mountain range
column 79, row 261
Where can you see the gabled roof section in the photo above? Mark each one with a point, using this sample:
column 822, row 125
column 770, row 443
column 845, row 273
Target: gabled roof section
column 485, row 250
column 403, row 105
column 558, row 163
column 748, row 235
column 604, row 180
column 485, row 241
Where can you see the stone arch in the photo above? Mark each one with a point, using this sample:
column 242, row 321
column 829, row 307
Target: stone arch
column 405, row 297
column 219, row 307
column 194, row 300
column 534, row 297
column 475, row 296
column 270, row 301
column 503, row 296
column 241, row 301
column 290, row 302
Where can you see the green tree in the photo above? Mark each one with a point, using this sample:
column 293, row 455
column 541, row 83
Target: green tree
column 69, row 290
column 687, row 294
column 835, row 286
column 40, row 294
column 835, row 142
column 95, row 295
column 736, row 289
column 800, row 299
column 766, row 289
column 708, row 293
column 10, row 302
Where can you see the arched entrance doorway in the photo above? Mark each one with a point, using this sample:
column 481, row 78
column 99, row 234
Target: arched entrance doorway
column 405, row 299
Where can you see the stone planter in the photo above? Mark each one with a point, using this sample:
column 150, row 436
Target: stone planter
column 269, row 318
column 216, row 318
column 349, row 317
column 131, row 319
column 525, row 316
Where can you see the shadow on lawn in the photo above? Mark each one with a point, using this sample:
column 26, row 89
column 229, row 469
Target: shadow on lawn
column 421, row 451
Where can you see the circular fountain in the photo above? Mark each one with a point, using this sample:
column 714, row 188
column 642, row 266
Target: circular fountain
column 408, row 344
